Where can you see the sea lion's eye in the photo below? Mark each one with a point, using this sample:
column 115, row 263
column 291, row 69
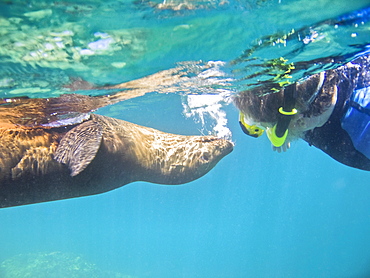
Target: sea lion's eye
column 205, row 157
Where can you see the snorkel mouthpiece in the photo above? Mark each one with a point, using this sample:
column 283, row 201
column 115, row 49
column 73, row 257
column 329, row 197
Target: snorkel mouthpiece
column 278, row 134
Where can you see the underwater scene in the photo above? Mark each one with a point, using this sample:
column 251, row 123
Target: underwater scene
column 184, row 138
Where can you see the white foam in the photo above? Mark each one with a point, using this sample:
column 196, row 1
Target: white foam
column 211, row 93
column 204, row 107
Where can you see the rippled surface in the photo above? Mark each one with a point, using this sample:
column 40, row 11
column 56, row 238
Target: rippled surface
column 45, row 45
column 258, row 213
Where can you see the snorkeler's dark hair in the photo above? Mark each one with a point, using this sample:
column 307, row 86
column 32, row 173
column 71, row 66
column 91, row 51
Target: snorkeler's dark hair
column 311, row 95
column 258, row 105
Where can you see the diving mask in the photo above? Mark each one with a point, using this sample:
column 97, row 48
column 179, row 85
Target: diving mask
column 251, row 130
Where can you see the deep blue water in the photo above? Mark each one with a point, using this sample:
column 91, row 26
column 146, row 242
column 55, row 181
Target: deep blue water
column 258, row 213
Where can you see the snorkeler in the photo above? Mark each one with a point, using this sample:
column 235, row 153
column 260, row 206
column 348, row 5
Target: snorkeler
column 329, row 110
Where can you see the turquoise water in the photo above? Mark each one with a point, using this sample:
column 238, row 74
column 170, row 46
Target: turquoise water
column 257, row 213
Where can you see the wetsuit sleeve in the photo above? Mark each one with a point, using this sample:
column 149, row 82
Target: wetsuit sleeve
column 331, row 138
column 334, row 141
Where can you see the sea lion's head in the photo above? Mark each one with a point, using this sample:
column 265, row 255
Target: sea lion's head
column 180, row 159
column 201, row 155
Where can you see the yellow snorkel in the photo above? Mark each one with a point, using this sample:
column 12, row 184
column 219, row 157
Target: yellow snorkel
column 251, row 130
column 279, row 132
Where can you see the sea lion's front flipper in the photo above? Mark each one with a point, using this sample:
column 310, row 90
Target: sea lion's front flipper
column 79, row 146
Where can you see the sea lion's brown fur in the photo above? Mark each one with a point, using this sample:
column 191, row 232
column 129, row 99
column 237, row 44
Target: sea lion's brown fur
column 43, row 164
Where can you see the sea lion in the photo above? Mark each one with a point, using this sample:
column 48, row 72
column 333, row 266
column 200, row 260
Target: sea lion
column 89, row 154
